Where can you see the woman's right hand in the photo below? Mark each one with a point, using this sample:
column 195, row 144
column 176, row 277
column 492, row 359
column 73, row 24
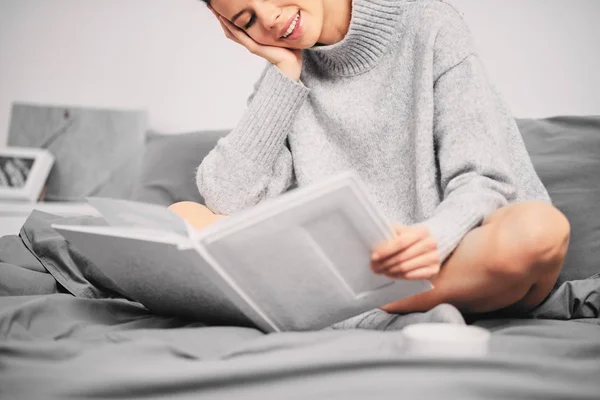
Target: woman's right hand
column 289, row 61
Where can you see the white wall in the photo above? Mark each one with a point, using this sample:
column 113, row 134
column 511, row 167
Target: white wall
column 170, row 57
column 167, row 56
column 543, row 55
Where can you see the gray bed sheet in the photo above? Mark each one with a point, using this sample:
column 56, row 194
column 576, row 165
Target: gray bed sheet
column 96, row 344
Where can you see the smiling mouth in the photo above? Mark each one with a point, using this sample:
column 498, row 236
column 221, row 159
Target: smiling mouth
column 292, row 27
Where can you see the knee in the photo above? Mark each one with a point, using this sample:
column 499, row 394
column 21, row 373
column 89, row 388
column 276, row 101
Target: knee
column 183, row 205
column 187, row 208
column 196, row 214
column 535, row 240
column 544, row 234
column 181, row 208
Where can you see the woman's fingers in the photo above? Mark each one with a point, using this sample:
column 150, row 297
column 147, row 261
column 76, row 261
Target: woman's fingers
column 405, row 239
column 425, row 260
column 225, row 25
column 418, row 248
column 423, row 273
column 239, row 36
column 228, row 33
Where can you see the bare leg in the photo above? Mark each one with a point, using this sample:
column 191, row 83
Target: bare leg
column 196, row 214
column 512, row 260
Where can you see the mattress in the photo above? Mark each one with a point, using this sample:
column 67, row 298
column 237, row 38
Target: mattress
column 84, row 340
column 59, row 346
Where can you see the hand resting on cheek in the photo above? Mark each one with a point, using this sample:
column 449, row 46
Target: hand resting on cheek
column 288, row 61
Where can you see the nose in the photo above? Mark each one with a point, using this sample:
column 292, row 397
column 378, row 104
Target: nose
column 267, row 14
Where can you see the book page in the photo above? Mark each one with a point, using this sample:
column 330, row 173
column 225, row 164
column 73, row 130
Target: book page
column 127, row 232
column 159, row 275
column 132, row 214
column 304, row 259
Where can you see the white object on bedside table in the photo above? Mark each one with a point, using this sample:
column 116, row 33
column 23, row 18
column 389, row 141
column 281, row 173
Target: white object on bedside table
column 13, row 215
column 23, row 173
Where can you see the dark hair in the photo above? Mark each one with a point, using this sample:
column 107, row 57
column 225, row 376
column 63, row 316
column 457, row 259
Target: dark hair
column 207, row 2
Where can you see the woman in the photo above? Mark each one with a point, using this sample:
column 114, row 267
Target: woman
column 393, row 90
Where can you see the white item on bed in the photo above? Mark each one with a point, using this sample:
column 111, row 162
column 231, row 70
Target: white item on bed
column 446, row 340
column 296, row 262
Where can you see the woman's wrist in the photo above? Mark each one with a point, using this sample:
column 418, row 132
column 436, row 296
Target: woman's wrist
column 290, row 70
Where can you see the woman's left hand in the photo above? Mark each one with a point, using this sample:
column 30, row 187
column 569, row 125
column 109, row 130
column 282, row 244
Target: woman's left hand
column 411, row 254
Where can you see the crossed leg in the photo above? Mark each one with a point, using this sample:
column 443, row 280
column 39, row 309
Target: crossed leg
column 511, row 261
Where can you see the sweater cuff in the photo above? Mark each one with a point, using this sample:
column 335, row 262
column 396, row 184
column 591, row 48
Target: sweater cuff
column 450, row 226
column 266, row 123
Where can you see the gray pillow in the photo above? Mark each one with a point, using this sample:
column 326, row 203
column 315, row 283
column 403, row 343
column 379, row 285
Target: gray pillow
column 97, row 152
column 169, row 166
column 566, row 155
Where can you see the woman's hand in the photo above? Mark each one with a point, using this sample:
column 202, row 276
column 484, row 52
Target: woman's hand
column 288, row 61
column 412, row 254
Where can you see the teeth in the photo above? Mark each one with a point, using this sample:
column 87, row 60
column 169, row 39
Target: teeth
column 292, row 26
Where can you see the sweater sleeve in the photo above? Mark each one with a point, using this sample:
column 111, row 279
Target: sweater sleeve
column 252, row 162
column 474, row 172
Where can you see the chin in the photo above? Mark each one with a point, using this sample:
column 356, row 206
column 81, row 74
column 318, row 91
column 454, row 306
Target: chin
column 301, row 46
column 307, row 42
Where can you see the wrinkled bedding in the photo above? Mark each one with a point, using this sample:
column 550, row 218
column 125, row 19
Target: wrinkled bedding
column 66, row 332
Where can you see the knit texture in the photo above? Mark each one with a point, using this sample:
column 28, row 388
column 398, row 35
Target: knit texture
column 403, row 101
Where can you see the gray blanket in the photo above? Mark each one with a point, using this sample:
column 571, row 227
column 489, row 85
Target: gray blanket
column 80, row 339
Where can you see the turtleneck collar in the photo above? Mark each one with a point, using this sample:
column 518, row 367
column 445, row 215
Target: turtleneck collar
column 372, row 27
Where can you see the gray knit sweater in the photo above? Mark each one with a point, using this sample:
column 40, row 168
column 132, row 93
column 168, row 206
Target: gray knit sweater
column 402, row 100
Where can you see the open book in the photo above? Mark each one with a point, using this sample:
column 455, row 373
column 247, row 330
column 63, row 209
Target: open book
column 299, row 261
